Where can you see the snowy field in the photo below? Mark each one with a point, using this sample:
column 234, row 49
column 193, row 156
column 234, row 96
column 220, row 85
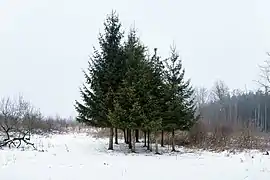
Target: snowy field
column 80, row 157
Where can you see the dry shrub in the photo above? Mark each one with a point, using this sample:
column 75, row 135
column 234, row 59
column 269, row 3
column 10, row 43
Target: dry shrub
column 198, row 133
column 105, row 133
column 100, row 133
column 181, row 138
column 246, row 138
column 221, row 137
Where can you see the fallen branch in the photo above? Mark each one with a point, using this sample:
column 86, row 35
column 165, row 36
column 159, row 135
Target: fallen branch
column 9, row 141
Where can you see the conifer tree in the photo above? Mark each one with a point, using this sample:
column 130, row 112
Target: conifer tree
column 125, row 89
column 105, row 74
column 154, row 104
column 129, row 112
column 180, row 113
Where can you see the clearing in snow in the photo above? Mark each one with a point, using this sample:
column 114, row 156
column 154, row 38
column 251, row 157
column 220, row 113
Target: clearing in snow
column 78, row 156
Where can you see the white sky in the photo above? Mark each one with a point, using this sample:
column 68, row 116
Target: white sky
column 44, row 45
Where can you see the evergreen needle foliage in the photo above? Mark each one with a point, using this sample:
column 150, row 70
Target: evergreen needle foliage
column 125, row 89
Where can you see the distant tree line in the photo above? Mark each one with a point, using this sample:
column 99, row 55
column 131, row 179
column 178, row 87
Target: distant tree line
column 235, row 108
column 126, row 88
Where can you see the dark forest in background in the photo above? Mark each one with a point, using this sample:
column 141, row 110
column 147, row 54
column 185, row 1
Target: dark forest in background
column 236, row 107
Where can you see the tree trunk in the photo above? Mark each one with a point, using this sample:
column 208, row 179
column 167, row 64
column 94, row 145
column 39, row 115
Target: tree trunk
column 137, row 136
column 145, row 139
column 148, row 140
column 133, row 137
column 116, row 136
column 156, row 143
column 125, row 136
column 259, row 117
column 129, row 139
column 265, row 111
column 162, row 138
column 173, row 141
column 111, row 139
column 265, row 118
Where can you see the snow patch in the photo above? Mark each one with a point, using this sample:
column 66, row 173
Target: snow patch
column 78, row 156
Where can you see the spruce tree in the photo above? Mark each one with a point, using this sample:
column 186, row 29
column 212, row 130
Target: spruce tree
column 180, row 114
column 129, row 112
column 155, row 93
column 105, row 74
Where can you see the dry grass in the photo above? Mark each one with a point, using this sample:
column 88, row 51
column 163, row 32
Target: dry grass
column 223, row 137
column 105, row 133
column 203, row 136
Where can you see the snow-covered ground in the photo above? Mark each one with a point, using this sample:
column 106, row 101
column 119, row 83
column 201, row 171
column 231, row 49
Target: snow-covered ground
column 79, row 157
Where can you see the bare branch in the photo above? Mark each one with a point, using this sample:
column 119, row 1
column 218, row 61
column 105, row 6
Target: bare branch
column 220, row 91
column 13, row 115
column 201, row 96
column 264, row 74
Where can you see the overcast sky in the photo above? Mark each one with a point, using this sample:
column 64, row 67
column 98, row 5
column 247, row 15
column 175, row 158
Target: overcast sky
column 45, row 44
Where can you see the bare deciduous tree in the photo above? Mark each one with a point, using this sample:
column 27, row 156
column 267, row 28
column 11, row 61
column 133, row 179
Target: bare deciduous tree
column 219, row 94
column 220, row 90
column 264, row 82
column 13, row 115
column 201, row 96
column 265, row 74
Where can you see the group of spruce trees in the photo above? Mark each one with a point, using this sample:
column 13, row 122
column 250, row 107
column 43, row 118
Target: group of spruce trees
column 128, row 89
